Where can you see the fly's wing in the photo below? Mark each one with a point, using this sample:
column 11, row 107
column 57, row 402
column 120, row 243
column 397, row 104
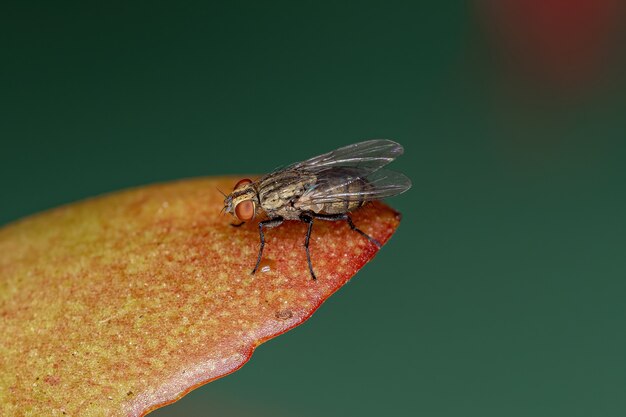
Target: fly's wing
column 368, row 156
column 336, row 170
column 333, row 185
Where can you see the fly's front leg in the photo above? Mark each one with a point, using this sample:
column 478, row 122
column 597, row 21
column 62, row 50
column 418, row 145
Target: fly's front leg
column 308, row 220
column 276, row 221
column 346, row 217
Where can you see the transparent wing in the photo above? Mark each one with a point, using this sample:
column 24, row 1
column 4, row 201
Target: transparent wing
column 368, row 156
column 336, row 171
column 333, row 186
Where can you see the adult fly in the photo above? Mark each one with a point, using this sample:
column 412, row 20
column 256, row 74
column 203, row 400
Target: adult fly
column 326, row 187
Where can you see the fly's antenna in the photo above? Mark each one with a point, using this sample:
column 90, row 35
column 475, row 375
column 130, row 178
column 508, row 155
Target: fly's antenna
column 225, row 197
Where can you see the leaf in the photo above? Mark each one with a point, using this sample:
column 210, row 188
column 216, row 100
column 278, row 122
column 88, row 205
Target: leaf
column 121, row 304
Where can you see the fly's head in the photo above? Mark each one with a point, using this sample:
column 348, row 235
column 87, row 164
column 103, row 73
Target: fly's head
column 242, row 202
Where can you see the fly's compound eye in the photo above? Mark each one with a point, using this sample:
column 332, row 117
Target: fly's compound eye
column 242, row 183
column 245, row 210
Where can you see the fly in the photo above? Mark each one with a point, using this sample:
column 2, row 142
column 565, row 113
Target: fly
column 326, row 187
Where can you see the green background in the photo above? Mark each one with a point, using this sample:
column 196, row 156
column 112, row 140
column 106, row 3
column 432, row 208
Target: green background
column 502, row 292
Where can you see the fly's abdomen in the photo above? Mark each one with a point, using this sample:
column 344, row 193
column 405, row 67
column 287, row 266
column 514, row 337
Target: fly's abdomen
column 349, row 197
column 338, row 190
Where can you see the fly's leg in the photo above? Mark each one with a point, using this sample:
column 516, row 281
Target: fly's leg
column 346, row 217
column 356, row 229
column 276, row 221
column 308, row 220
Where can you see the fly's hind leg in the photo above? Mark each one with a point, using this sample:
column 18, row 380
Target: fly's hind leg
column 346, row 217
column 356, row 229
column 276, row 221
column 309, row 221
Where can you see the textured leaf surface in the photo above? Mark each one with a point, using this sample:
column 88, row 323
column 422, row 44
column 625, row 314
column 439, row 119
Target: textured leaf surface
column 123, row 303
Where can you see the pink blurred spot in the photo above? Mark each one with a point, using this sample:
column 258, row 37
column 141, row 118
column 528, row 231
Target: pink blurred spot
column 564, row 44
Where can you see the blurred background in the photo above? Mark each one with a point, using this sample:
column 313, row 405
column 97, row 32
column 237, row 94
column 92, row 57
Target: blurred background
column 502, row 292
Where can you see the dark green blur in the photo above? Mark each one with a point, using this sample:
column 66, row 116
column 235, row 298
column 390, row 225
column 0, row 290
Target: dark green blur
column 503, row 292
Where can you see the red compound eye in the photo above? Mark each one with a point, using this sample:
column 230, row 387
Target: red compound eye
column 242, row 183
column 245, row 210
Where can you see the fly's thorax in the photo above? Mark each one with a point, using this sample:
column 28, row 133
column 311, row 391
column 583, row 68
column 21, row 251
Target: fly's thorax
column 279, row 191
